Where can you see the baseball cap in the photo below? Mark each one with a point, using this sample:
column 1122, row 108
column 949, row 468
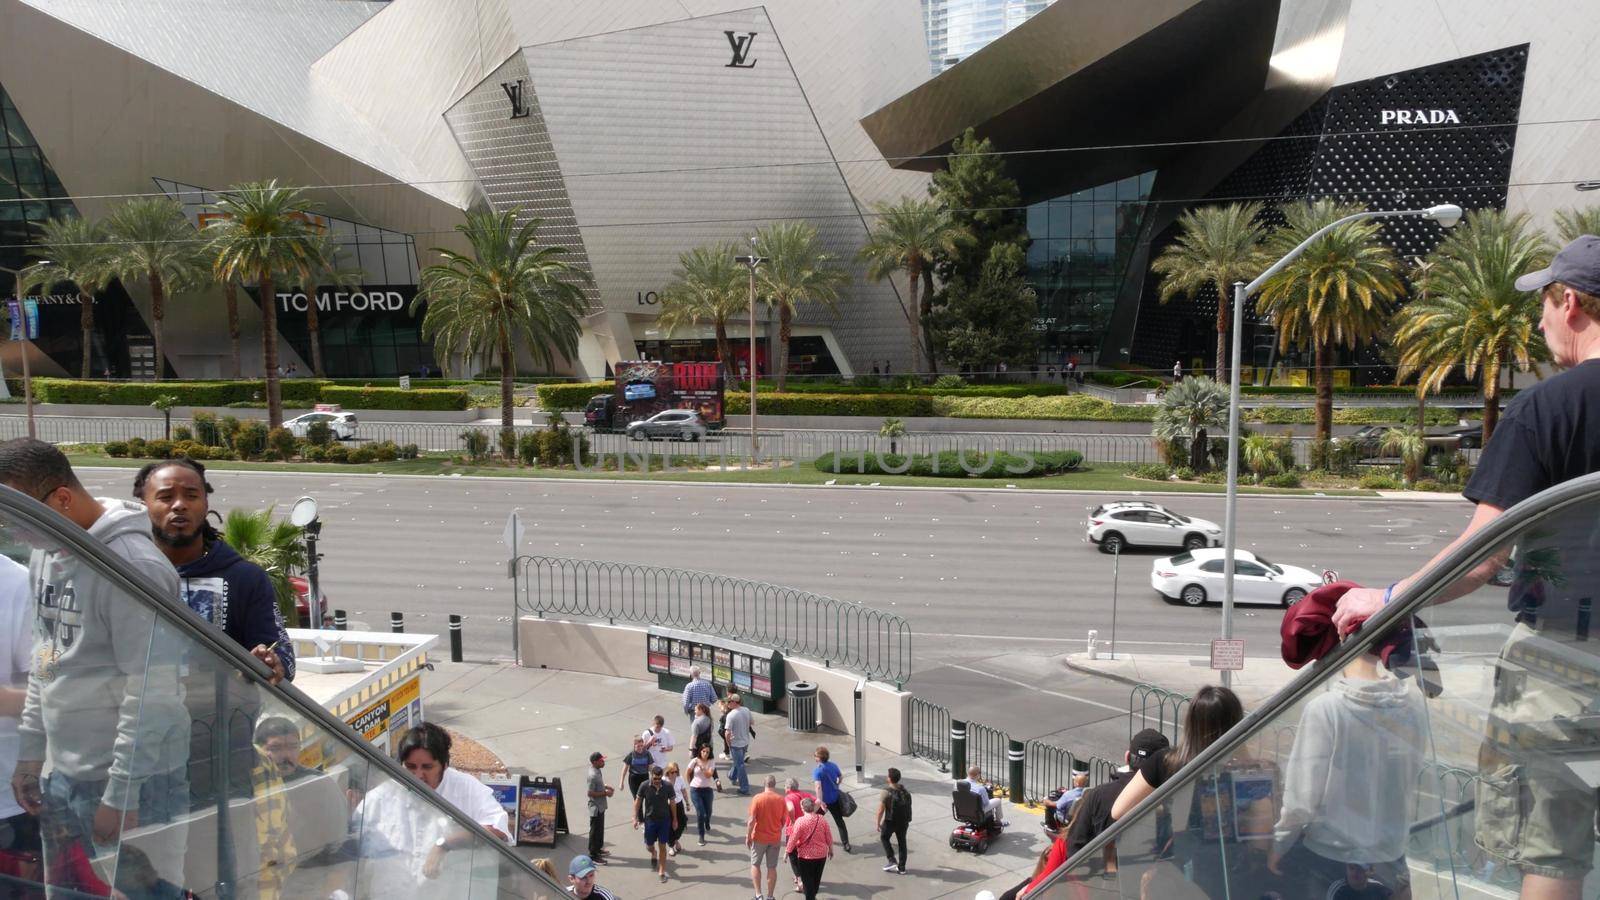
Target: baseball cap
column 1576, row 265
column 1144, row 745
column 581, row 866
column 597, row 756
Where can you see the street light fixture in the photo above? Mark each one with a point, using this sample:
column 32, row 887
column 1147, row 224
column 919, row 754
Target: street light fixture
column 27, row 372
column 303, row 515
column 1447, row 215
column 753, row 261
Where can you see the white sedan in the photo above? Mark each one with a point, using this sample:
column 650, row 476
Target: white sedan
column 342, row 424
column 1196, row 576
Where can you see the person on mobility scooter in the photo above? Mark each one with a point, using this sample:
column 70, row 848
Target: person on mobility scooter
column 978, row 814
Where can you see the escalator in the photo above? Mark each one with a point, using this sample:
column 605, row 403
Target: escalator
column 143, row 741
column 1481, row 784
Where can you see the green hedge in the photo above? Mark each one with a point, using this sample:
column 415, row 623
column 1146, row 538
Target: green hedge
column 874, row 405
column 570, row 397
column 949, row 464
column 301, row 392
column 1375, row 390
column 1072, row 406
column 395, row 398
column 971, row 390
column 1351, row 415
column 1115, row 379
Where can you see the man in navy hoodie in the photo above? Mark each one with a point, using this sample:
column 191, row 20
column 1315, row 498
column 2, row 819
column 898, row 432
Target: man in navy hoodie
column 221, row 586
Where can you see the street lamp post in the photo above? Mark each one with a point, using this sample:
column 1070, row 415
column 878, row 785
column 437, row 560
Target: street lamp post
column 27, row 372
column 753, row 261
column 1446, row 215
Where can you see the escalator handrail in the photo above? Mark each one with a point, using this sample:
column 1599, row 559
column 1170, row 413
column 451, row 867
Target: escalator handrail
column 20, row 509
column 1404, row 604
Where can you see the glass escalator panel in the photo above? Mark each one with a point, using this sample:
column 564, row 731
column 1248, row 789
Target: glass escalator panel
column 1455, row 753
column 141, row 759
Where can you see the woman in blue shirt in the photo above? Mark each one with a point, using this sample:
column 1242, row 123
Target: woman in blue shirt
column 827, row 777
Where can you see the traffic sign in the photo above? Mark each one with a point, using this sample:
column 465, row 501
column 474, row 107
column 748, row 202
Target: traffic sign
column 1227, row 654
column 512, row 535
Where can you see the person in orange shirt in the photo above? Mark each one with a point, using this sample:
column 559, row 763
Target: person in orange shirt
column 763, row 834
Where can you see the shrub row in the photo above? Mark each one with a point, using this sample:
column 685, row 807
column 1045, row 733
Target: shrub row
column 1071, row 406
column 395, row 398
column 277, row 445
column 1351, row 415
column 875, row 405
column 295, row 391
column 570, row 397
column 1375, row 390
column 952, row 464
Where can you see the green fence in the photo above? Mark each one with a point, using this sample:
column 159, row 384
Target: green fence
column 1156, row 707
column 875, row 643
column 930, row 732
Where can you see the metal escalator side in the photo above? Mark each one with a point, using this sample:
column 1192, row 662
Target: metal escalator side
column 151, row 756
column 1463, row 764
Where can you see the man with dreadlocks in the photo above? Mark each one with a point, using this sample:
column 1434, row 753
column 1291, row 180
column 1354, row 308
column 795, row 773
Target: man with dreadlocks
column 221, row 586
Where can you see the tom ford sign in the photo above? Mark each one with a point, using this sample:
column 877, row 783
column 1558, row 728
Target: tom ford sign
column 337, row 301
column 1418, row 117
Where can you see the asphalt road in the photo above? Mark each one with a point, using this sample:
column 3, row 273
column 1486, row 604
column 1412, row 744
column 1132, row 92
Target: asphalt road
column 995, row 584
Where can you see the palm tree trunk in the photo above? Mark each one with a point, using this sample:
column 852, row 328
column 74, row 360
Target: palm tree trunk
column 1324, row 416
column 1422, row 409
column 927, row 330
column 230, row 292
column 914, row 280
column 1491, row 402
column 158, row 312
column 785, row 328
column 507, row 371
column 269, row 348
column 1223, row 300
column 314, row 328
column 86, row 323
column 725, row 354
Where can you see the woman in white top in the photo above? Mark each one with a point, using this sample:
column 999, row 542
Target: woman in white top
column 394, row 823
column 680, row 799
column 702, row 776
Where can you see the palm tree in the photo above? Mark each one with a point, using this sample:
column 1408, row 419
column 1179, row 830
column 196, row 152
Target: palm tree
column 72, row 251
column 230, row 295
column 796, row 271
column 707, row 287
column 1412, row 448
column 1337, row 292
column 262, row 234
column 507, row 291
column 273, row 544
column 1189, row 409
column 906, row 238
column 324, row 270
column 1262, row 455
column 1572, row 222
column 1216, row 246
column 154, row 241
column 1473, row 315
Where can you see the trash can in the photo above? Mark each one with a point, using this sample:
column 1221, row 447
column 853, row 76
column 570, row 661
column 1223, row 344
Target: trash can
column 802, row 706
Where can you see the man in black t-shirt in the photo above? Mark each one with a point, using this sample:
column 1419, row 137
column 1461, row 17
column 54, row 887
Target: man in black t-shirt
column 1092, row 813
column 1532, row 813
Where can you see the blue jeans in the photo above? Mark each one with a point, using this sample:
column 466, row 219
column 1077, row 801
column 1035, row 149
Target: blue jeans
column 702, row 809
column 70, row 805
column 739, row 775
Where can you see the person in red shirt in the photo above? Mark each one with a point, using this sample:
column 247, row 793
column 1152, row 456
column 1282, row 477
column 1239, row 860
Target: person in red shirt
column 792, row 798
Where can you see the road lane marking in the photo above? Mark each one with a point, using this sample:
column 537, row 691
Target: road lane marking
column 1039, row 690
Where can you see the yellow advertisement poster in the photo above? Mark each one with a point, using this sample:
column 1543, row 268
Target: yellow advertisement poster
column 393, row 707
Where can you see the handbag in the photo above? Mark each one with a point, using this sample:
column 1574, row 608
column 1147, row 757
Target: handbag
column 847, row 805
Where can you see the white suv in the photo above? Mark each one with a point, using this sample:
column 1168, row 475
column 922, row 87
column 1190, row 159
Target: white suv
column 1122, row 524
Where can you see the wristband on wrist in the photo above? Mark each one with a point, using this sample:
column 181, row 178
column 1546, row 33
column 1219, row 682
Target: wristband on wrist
column 1388, row 593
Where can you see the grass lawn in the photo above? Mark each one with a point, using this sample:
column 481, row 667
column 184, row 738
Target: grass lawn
column 1104, row 477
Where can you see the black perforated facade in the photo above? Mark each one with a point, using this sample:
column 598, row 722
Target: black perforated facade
column 1437, row 134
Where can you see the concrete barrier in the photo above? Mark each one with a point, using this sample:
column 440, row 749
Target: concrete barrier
column 619, row 651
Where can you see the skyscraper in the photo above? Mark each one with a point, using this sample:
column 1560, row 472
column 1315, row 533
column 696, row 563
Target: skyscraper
column 959, row 28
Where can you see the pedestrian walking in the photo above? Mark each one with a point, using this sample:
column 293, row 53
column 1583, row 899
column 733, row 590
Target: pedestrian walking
column 698, row 690
column 599, row 792
column 793, row 797
column 680, row 798
column 724, row 706
column 740, row 733
column 894, row 817
column 653, row 811
column 700, row 729
column 827, row 777
column 763, row 833
column 658, row 740
column 580, row 873
column 702, row 778
column 1177, row 370
column 810, row 847
column 636, row 767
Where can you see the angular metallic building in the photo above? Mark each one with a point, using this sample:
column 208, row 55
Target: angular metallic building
column 635, row 130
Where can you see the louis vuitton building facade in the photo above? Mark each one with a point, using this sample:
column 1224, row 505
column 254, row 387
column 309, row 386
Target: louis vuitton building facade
column 635, row 131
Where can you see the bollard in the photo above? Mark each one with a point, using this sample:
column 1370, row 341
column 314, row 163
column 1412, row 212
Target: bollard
column 455, row 638
column 397, row 622
column 341, row 621
column 1015, row 753
column 861, row 732
column 958, row 748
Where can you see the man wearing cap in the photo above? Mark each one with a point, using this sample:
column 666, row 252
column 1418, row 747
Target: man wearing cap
column 1531, row 810
column 581, row 875
column 598, row 792
column 1093, row 811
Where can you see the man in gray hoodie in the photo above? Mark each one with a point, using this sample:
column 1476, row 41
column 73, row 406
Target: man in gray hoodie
column 104, row 702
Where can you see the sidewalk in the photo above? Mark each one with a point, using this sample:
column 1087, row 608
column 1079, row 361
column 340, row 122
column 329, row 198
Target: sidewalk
column 1261, row 677
column 547, row 722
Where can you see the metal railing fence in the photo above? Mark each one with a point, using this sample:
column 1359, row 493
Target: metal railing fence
column 986, row 749
column 870, row 641
column 1158, row 708
column 930, row 732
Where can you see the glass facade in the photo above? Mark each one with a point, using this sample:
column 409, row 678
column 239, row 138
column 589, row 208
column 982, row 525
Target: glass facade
column 959, row 28
column 1082, row 245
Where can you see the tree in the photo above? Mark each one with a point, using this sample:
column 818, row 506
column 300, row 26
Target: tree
column 165, row 403
column 507, row 291
column 273, row 544
column 1412, row 448
column 72, row 251
column 708, row 286
column 991, row 320
column 797, row 271
column 324, row 270
column 1216, row 246
column 264, row 233
column 1338, row 292
column 1189, row 409
column 1570, row 223
column 893, row 428
column 907, row 237
column 152, row 239
column 230, row 295
column 1473, row 315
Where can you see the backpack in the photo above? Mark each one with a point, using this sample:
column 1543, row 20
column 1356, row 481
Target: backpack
column 900, row 804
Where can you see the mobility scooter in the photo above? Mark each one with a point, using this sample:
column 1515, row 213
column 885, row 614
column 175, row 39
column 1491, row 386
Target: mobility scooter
column 976, row 830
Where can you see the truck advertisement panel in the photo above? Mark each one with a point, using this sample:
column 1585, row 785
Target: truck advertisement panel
column 646, row 387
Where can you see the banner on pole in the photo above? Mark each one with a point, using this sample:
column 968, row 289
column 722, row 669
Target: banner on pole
column 14, row 313
column 30, row 308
